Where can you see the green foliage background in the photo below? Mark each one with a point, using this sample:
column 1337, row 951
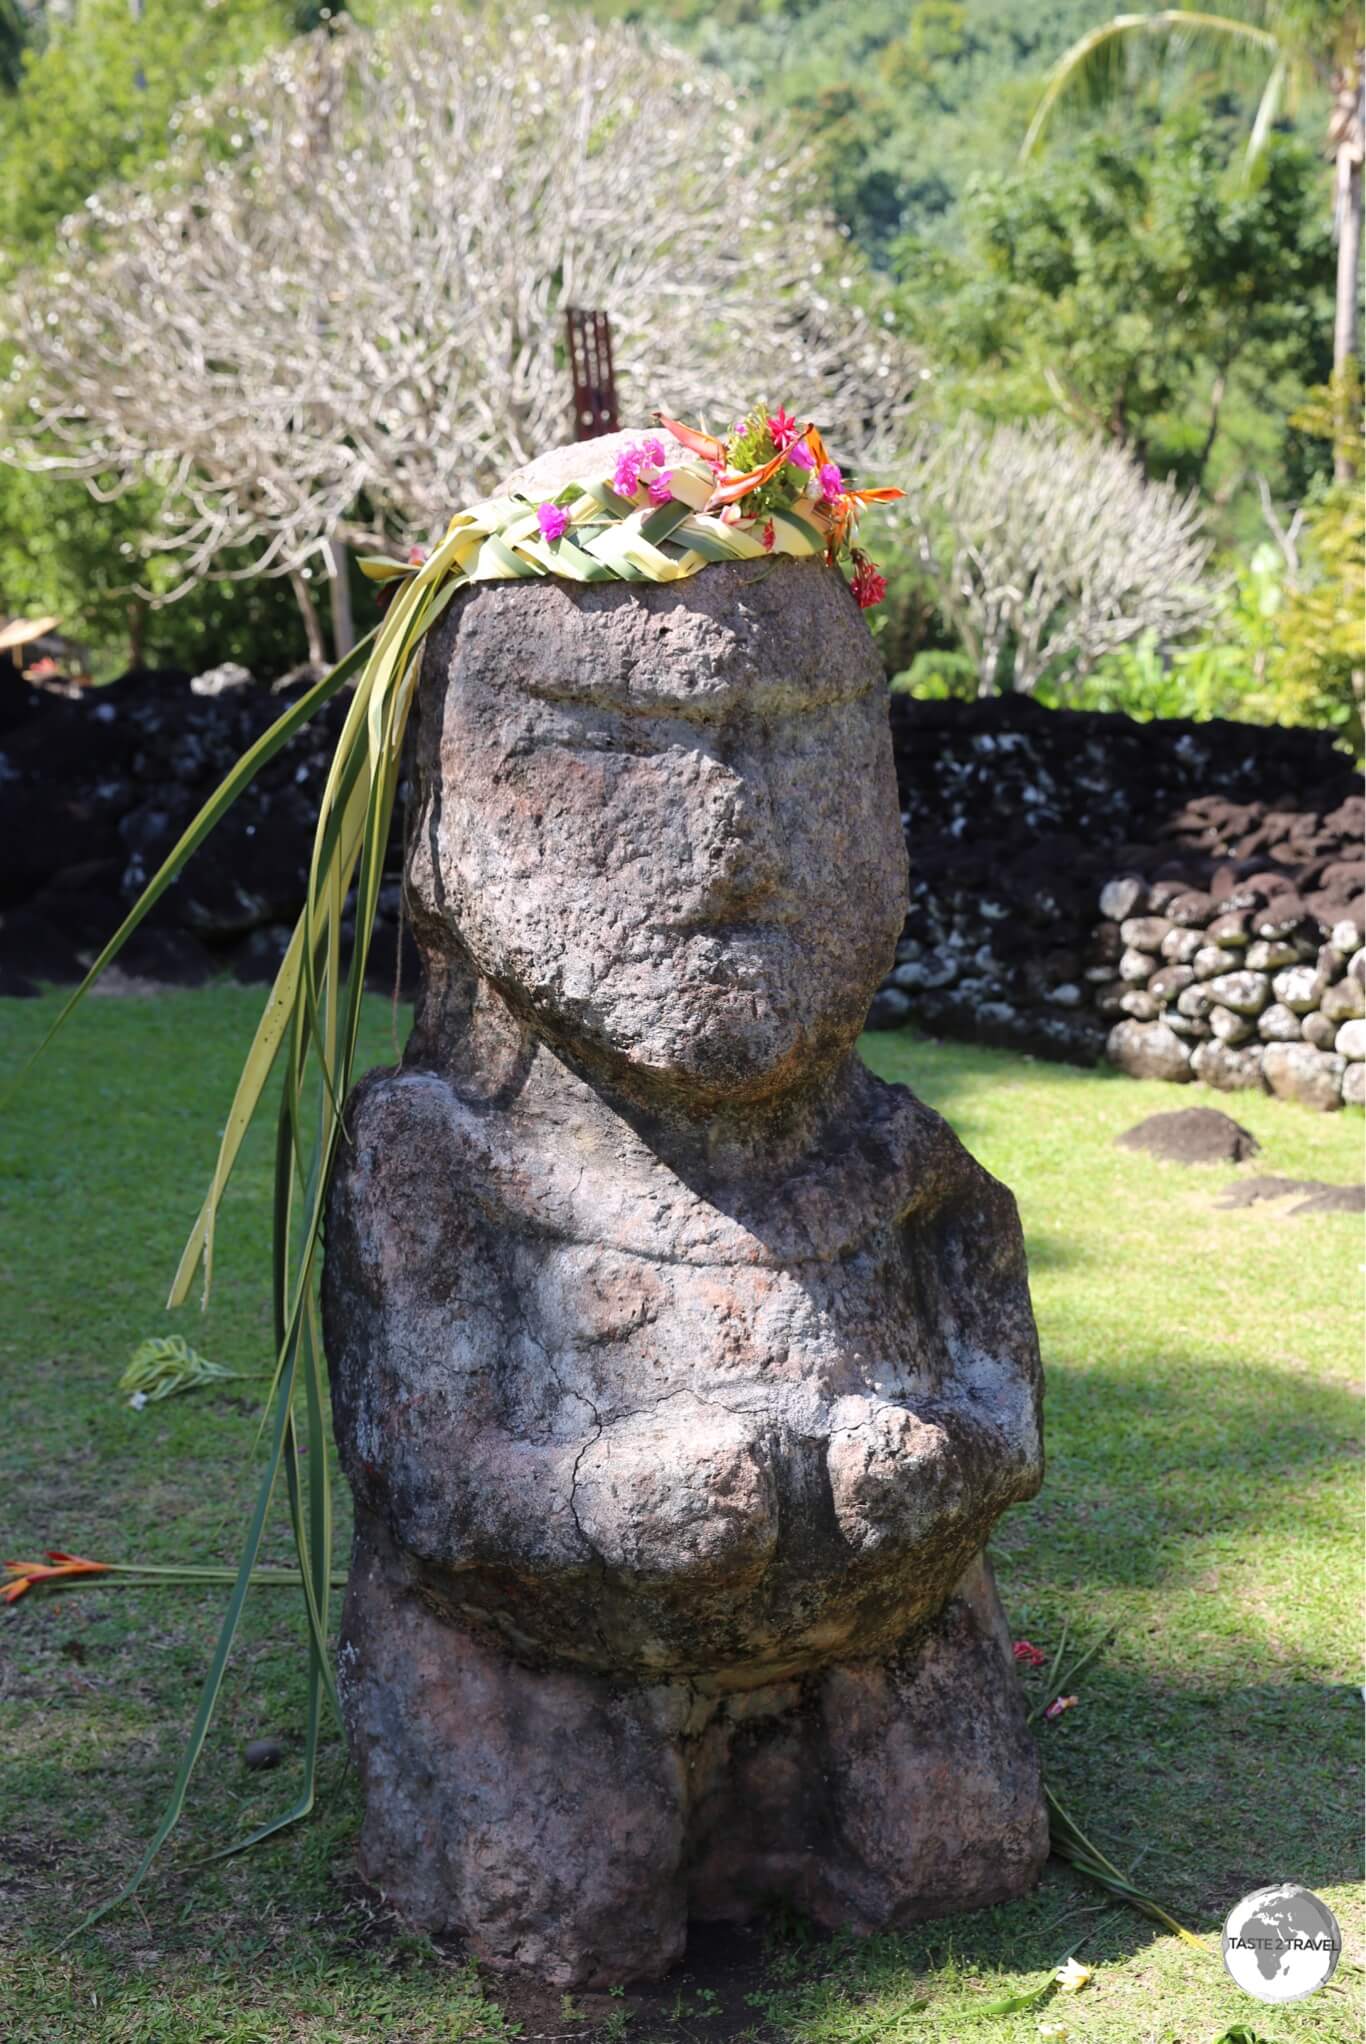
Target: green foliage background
column 1129, row 276
column 96, row 102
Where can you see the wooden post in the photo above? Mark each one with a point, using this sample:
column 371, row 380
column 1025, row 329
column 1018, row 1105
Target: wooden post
column 590, row 361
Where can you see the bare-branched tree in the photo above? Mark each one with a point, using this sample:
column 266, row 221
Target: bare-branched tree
column 354, row 324
column 1046, row 548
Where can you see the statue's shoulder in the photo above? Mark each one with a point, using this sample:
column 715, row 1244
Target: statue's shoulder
column 409, row 1131
column 923, row 1161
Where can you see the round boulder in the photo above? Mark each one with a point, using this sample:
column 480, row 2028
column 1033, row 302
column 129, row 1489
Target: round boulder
column 1148, row 1050
column 1277, row 1024
column 1343, row 1001
column 1227, row 1069
column 1124, row 897
column 1351, row 1042
column 1300, row 988
column 1144, row 933
column 1192, row 1135
column 1229, row 1026
column 1180, row 946
column 1246, row 993
column 1267, row 957
column 1298, row 1072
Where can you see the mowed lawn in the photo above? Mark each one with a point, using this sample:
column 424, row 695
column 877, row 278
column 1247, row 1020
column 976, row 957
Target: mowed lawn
column 1202, row 1499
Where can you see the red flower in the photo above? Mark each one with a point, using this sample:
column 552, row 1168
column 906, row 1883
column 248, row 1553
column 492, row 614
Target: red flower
column 767, row 537
column 1059, row 1705
column 1031, row 1656
column 24, row 1574
column 783, row 428
column 868, row 584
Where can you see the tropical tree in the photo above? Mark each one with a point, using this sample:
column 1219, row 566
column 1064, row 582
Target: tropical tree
column 1137, row 289
column 352, row 325
column 1303, row 43
column 1046, row 548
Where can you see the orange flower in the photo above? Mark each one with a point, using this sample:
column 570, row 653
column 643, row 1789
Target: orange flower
column 24, row 1574
column 704, row 444
column 844, row 512
column 734, row 487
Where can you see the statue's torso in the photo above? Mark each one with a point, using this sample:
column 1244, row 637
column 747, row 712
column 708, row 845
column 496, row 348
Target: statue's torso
column 626, row 1418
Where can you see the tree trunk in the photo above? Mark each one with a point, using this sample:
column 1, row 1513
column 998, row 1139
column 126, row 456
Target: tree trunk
column 337, row 558
column 1216, row 405
column 308, row 611
column 1347, row 202
column 137, row 631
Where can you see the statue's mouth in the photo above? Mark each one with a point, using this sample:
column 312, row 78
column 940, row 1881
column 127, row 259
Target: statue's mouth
column 726, row 928
column 753, row 957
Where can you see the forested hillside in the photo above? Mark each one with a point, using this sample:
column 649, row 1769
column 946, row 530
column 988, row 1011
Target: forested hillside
column 908, row 99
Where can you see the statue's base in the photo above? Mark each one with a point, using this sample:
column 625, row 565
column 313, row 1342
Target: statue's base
column 569, row 1825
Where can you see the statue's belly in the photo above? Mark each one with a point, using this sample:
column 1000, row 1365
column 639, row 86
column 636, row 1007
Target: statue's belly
column 725, row 1470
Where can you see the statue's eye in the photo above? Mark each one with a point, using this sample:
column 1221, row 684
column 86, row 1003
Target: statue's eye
column 624, row 740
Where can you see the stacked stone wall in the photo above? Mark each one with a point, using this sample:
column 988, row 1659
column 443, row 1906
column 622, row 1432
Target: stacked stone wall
column 1185, row 899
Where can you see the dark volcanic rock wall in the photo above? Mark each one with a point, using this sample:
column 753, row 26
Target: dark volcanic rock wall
column 1060, row 862
column 94, row 793
column 1019, row 819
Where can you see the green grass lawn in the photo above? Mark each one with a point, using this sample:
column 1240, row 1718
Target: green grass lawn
column 1204, row 1449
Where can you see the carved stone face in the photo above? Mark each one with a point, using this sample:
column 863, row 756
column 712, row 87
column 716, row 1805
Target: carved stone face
column 663, row 820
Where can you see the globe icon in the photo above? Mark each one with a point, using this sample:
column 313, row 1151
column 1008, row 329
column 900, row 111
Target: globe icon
column 1282, row 1943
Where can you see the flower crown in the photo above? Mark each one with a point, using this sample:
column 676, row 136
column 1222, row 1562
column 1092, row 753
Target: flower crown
column 769, row 488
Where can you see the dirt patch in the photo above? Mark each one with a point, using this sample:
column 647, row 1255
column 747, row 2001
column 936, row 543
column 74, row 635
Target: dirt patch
column 1311, row 1195
column 715, row 1992
column 1192, row 1135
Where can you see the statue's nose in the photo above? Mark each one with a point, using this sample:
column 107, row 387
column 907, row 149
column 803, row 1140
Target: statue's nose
column 739, row 855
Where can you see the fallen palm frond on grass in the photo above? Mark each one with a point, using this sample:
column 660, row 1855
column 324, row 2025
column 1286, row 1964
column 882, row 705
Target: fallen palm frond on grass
column 61, row 1571
column 1067, row 1841
column 165, row 1364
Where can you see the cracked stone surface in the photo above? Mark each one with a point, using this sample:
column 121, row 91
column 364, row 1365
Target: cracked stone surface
column 680, row 1367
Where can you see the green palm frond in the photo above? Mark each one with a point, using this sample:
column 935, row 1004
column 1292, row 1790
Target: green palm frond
column 1268, row 109
column 1096, row 69
column 165, row 1364
column 1069, row 1842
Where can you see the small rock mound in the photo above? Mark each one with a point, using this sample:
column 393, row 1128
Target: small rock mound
column 1192, row 1135
column 1313, row 1196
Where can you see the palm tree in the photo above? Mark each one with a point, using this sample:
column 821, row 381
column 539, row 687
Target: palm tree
column 1303, row 42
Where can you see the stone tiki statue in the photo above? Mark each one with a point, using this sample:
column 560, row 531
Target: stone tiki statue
column 681, row 1368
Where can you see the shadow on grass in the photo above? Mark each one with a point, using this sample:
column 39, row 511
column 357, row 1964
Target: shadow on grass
column 1147, row 1458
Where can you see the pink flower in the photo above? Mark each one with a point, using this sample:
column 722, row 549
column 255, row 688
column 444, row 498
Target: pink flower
column 552, row 520
column 653, row 451
column 801, row 454
column 768, row 537
column 661, row 490
column 1059, row 1705
column 626, row 476
column 783, row 429
column 417, row 555
column 831, row 482
column 870, row 586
